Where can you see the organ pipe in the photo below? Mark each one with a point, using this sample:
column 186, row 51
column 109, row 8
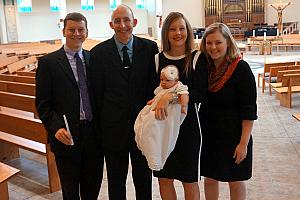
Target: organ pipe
column 220, row 11
column 213, row 7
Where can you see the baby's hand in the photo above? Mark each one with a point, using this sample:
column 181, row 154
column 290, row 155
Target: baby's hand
column 150, row 102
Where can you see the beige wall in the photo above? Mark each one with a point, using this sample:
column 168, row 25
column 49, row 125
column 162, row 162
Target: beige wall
column 46, row 22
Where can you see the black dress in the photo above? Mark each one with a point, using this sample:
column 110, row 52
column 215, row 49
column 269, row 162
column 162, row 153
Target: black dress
column 182, row 164
column 221, row 117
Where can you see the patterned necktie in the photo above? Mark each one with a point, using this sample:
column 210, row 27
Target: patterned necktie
column 83, row 88
column 126, row 59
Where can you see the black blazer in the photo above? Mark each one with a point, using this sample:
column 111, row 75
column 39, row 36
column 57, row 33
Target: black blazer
column 57, row 94
column 121, row 93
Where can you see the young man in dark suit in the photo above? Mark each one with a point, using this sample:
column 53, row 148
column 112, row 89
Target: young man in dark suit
column 62, row 90
column 123, row 80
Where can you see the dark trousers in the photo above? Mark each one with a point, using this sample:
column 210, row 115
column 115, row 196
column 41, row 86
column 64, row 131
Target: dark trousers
column 81, row 172
column 117, row 162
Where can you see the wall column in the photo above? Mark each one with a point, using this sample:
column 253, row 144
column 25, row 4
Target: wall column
column 159, row 19
column 9, row 29
column 3, row 37
column 63, row 13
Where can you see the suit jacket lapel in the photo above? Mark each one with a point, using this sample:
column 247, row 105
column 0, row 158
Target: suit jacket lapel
column 137, row 54
column 114, row 53
column 136, row 51
column 65, row 65
column 86, row 56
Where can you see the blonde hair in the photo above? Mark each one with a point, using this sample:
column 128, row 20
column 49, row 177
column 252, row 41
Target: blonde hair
column 189, row 40
column 232, row 50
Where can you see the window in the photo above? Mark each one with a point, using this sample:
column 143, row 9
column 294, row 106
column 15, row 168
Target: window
column 55, row 5
column 87, row 4
column 24, row 5
column 140, row 4
column 113, row 4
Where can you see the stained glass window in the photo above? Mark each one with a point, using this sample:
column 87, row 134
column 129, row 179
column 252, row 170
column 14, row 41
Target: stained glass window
column 24, row 5
column 55, row 5
column 113, row 4
column 140, row 4
column 87, row 4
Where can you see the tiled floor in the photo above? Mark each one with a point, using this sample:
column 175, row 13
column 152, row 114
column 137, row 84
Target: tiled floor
column 276, row 170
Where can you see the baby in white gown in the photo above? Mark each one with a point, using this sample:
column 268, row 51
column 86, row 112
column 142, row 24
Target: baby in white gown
column 157, row 138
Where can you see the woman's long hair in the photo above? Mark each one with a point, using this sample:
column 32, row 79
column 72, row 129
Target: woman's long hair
column 232, row 50
column 188, row 43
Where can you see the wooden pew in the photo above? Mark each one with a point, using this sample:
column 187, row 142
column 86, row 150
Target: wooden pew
column 290, row 85
column 21, row 48
column 294, row 70
column 22, row 73
column 6, row 172
column 15, row 87
column 12, row 68
column 297, row 116
column 280, row 75
column 19, row 129
column 3, row 56
column 26, row 102
column 7, row 61
column 266, row 72
column 272, row 78
column 15, row 78
column 38, row 52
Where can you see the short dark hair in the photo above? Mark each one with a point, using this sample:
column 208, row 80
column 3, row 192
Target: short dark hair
column 75, row 16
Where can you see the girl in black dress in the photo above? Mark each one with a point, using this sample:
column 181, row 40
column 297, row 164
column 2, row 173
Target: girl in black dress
column 227, row 115
column 182, row 164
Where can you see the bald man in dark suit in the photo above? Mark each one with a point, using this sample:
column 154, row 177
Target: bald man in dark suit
column 123, row 80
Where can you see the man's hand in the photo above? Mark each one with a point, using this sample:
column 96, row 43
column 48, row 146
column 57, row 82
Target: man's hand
column 63, row 136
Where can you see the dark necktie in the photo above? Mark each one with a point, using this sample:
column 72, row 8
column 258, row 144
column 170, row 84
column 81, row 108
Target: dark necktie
column 126, row 59
column 83, row 88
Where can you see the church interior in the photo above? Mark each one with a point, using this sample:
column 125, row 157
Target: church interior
column 267, row 33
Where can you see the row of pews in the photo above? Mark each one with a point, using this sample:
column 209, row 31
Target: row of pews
column 285, row 42
column 24, row 56
column 284, row 79
column 20, row 126
column 12, row 64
